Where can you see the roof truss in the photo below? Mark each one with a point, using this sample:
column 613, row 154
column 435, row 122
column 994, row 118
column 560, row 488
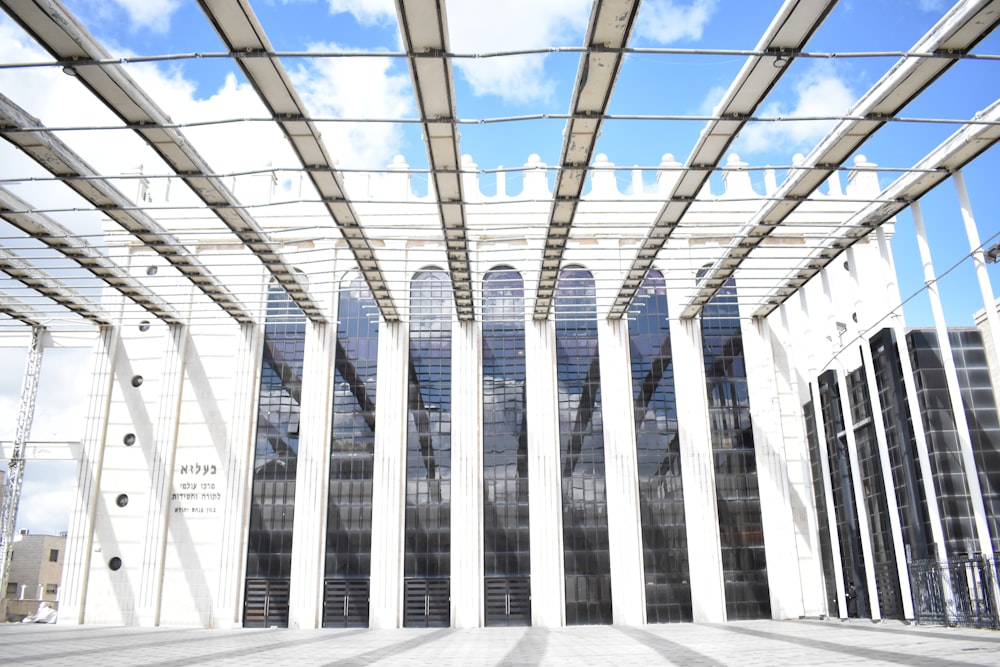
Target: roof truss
column 50, row 286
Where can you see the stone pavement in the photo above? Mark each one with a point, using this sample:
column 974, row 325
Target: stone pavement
column 745, row 643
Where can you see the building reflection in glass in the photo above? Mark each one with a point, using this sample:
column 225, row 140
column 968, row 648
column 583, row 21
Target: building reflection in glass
column 741, row 531
column 427, row 552
column 269, row 549
column 352, row 441
column 505, row 452
column 586, row 556
column 661, row 496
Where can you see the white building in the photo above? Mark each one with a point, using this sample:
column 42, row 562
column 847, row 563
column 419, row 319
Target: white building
column 593, row 398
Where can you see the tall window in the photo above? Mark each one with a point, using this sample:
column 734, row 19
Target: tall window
column 737, row 497
column 352, row 441
column 427, row 554
column 269, row 552
column 586, row 554
column 661, row 496
column 505, row 452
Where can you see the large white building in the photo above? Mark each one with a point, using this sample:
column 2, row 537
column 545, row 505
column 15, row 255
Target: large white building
column 603, row 396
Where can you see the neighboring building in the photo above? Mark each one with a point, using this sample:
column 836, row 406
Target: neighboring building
column 35, row 574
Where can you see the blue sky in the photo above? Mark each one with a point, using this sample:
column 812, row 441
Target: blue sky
column 490, row 88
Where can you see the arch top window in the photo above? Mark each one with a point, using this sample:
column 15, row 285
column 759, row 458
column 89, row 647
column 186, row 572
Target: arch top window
column 503, row 296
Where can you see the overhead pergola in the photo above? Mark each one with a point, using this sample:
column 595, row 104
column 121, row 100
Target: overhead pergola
column 426, row 48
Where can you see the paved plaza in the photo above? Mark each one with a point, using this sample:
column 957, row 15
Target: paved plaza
column 748, row 643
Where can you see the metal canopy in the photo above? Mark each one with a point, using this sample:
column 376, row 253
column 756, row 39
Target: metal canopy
column 56, row 157
column 60, row 33
column 954, row 153
column 243, row 35
column 662, row 228
column 14, row 307
column 41, row 227
column 957, row 32
column 611, row 23
column 788, row 33
column 424, row 27
column 50, row 286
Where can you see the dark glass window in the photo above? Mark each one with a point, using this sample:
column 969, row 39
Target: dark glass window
column 352, row 441
column 947, row 464
column 822, row 512
column 876, row 505
column 908, row 480
column 661, row 493
column 581, row 435
column 505, row 451
column 740, row 527
column 427, row 553
column 842, row 485
column 269, row 552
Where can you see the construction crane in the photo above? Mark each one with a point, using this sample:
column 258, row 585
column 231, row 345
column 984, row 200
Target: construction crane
column 15, row 466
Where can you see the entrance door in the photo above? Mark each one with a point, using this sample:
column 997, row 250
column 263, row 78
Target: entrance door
column 508, row 601
column 345, row 603
column 428, row 603
column 265, row 604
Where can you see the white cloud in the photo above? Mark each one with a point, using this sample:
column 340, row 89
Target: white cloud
column 375, row 88
column 152, row 14
column 478, row 27
column 819, row 92
column 366, row 12
column 668, row 21
column 483, row 27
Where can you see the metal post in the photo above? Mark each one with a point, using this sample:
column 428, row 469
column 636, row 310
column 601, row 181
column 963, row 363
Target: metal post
column 15, row 467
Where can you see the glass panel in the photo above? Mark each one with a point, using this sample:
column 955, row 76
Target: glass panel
column 661, row 496
column 269, row 549
column 581, row 436
column 743, row 564
column 427, row 552
column 505, row 441
column 822, row 512
column 352, row 440
column 842, row 486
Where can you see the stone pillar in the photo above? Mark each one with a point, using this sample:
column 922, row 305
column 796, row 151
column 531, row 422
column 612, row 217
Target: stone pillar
column 238, row 465
column 312, row 478
column 466, row 477
column 388, row 497
column 621, row 475
column 161, row 467
column 548, row 588
column 80, row 538
column 772, row 473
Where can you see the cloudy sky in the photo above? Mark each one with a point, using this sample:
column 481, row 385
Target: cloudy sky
column 377, row 86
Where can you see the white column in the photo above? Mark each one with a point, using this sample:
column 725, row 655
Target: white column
column 80, row 538
column 772, row 474
column 227, row 611
column 978, row 259
column 548, row 589
column 388, row 499
column 701, row 510
column 161, row 467
column 954, row 390
column 621, row 475
column 466, row 477
column 312, row 479
column 786, row 350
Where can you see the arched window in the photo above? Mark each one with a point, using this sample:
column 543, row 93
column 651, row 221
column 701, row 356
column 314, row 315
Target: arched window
column 505, row 452
column 661, row 491
column 586, row 555
column 269, row 549
column 737, row 496
column 427, row 553
column 352, row 442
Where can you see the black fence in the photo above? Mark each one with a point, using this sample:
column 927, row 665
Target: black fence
column 962, row 593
